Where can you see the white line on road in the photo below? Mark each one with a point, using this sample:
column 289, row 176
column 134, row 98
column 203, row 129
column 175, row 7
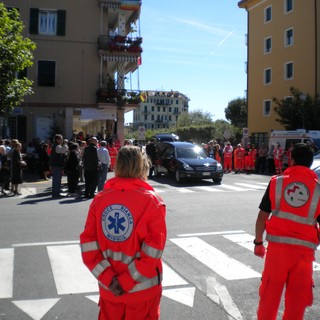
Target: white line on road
column 6, row 274
column 208, row 233
column 52, row 243
column 219, row 262
column 210, row 189
column 70, row 274
column 250, row 186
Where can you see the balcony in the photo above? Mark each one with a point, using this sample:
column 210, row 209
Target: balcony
column 120, row 44
column 118, row 97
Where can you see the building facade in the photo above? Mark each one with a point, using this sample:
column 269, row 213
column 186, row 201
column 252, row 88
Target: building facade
column 84, row 49
column 160, row 109
column 283, row 52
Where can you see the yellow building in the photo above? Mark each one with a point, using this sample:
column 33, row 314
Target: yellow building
column 283, row 51
column 84, row 51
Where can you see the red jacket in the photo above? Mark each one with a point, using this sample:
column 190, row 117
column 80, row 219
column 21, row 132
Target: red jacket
column 124, row 236
column 295, row 207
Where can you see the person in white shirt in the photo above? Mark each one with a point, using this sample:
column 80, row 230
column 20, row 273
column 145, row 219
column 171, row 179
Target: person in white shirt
column 104, row 158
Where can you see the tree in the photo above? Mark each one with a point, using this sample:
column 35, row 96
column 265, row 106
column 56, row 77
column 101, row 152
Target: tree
column 298, row 111
column 195, row 118
column 237, row 112
column 15, row 57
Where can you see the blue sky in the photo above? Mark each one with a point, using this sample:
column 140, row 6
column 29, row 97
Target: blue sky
column 195, row 47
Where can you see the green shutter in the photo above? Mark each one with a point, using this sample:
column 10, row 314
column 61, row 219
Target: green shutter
column 61, row 29
column 34, row 21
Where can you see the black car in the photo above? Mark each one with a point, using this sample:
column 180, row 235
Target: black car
column 185, row 160
column 166, row 137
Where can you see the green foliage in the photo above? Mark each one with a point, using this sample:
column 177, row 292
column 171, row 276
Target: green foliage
column 237, row 112
column 15, row 57
column 194, row 118
column 300, row 111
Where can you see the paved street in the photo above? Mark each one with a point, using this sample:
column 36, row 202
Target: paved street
column 210, row 271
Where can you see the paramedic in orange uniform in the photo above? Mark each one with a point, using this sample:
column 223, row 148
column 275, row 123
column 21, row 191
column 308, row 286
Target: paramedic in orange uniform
column 227, row 157
column 292, row 234
column 123, row 241
column 239, row 159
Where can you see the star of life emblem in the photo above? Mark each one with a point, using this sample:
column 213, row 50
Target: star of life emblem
column 296, row 194
column 117, row 222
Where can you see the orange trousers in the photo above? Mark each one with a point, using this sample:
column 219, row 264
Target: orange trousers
column 227, row 164
column 145, row 310
column 290, row 267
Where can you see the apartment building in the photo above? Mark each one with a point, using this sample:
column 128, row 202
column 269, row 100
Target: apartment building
column 283, row 52
column 84, row 51
column 160, row 109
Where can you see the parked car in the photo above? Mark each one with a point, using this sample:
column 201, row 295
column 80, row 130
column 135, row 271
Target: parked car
column 185, row 160
column 166, row 137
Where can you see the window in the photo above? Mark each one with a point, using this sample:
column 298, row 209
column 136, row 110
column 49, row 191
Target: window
column 152, row 117
column 158, row 108
column 145, row 117
column 288, row 5
column 152, row 108
column 267, row 14
column 267, row 76
column 145, row 108
column 289, row 37
column 164, row 109
column 48, row 22
column 267, row 45
column 46, row 73
column 266, row 107
column 288, row 70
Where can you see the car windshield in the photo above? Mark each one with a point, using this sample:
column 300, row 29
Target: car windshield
column 191, row 153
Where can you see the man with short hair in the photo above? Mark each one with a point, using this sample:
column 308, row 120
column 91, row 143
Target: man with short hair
column 292, row 235
column 91, row 167
column 104, row 157
column 57, row 157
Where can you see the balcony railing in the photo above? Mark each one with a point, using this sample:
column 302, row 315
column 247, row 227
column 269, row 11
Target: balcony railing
column 118, row 97
column 120, row 44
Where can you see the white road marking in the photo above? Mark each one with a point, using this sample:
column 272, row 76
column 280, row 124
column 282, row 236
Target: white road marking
column 171, row 278
column 227, row 302
column 6, row 273
column 219, row 262
column 209, row 233
column 250, row 186
column 184, row 190
column 70, row 274
column 34, row 244
column 36, row 309
column 210, row 189
column 181, row 295
column 233, row 188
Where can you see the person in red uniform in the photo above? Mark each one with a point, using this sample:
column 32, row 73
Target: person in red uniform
column 227, row 157
column 123, row 241
column 113, row 151
column 239, row 159
column 278, row 158
column 292, row 232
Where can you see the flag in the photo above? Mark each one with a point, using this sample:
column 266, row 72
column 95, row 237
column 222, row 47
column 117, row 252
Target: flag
column 139, row 61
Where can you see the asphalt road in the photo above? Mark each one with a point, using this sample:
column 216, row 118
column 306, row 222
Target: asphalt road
column 210, row 271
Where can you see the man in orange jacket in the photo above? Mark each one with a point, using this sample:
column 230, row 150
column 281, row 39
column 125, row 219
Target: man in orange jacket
column 293, row 236
column 123, row 241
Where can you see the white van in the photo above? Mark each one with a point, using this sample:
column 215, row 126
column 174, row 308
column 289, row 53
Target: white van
column 287, row 137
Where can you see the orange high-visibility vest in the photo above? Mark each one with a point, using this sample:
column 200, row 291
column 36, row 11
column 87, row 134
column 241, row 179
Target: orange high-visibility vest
column 295, row 207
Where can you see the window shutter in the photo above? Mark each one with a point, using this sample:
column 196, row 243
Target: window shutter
column 61, row 29
column 34, row 21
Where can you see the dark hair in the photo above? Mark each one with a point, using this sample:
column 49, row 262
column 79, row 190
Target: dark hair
column 302, row 155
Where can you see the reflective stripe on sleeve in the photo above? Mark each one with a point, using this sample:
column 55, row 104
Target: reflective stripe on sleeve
column 100, row 267
column 293, row 241
column 118, row 256
column 89, row 246
column 151, row 252
column 279, row 184
column 135, row 274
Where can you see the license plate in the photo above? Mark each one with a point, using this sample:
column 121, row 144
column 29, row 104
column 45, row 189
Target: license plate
column 206, row 173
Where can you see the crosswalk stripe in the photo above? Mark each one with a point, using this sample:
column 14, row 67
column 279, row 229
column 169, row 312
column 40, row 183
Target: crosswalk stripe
column 250, row 186
column 219, row 262
column 6, row 274
column 246, row 240
column 234, row 188
column 210, row 189
column 184, row 190
column 70, row 274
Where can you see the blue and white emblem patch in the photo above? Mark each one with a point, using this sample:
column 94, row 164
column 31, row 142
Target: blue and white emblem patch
column 117, row 222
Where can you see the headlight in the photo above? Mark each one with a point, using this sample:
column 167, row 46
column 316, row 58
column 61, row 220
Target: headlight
column 187, row 167
column 219, row 167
